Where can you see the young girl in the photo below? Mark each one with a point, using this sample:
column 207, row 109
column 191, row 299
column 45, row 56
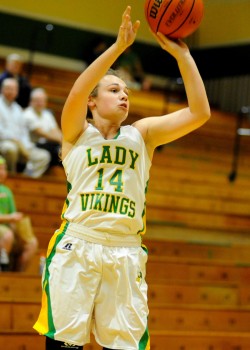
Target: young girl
column 94, row 278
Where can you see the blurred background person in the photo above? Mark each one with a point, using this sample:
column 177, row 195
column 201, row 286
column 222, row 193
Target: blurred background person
column 18, row 244
column 96, row 47
column 42, row 125
column 13, row 69
column 15, row 143
column 129, row 63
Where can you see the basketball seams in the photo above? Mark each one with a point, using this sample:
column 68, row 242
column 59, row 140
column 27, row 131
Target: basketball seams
column 159, row 22
column 191, row 10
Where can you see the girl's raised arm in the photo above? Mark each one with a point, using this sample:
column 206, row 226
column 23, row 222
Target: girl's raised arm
column 161, row 130
column 73, row 121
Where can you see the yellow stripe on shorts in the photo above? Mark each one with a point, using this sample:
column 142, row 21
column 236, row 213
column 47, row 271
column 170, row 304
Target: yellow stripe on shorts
column 44, row 324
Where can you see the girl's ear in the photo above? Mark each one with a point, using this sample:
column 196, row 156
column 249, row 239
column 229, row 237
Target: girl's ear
column 91, row 103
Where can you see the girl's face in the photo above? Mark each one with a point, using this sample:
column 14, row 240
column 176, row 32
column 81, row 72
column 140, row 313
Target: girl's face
column 111, row 101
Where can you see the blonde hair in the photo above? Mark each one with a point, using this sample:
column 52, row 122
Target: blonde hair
column 111, row 71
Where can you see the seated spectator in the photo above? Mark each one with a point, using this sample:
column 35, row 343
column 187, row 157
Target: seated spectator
column 96, row 47
column 16, row 234
column 44, row 130
column 15, row 143
column 129, row 63
column 13, row 69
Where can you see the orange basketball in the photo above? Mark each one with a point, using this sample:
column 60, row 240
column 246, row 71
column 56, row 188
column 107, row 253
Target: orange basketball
column 174, row 18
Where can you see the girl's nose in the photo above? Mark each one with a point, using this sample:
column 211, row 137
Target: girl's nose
column 124, row 96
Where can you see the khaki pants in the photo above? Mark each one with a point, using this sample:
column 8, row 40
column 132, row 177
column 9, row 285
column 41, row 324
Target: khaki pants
column 24, row 230
column 38, row 158
column 25, row 246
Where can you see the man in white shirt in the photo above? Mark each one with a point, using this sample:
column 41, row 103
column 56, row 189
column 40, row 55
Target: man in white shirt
column 15, row 143
column 41, row 123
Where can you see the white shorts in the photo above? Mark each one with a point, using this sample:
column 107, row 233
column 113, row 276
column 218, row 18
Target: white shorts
column 94, row 287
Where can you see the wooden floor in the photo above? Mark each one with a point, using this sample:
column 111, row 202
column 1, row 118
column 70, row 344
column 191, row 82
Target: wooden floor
column 198, row 235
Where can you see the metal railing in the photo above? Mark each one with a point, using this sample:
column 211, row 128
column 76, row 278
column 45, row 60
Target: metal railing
column 240, row 131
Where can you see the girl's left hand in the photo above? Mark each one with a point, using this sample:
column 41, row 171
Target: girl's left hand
column 176, row 48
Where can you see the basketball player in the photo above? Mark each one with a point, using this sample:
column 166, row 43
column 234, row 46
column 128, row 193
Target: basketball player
column 94, row 279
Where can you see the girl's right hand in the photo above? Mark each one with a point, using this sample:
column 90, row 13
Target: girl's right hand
column 127, row 31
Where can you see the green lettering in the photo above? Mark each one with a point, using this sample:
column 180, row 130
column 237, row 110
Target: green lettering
column 92, row 200
column 134, row 157
column 132, row 207
column 120, row 153
column 124, row 206
column 106, row 202
column 90, row 161
column 84, row 199
column 106, row 157
column 98, row 199
column 99, row 181
column 114, row 204
column 116, row 180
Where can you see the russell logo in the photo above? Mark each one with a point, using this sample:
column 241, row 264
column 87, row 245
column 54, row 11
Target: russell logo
column 67, row 246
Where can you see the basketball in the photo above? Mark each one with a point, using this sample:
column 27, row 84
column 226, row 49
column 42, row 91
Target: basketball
column 174, row 18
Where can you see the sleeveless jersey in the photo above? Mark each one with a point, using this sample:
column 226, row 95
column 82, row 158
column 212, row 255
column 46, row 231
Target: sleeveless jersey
column 107, row 182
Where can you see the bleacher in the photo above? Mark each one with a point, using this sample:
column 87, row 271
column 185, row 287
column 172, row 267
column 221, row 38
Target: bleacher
column 198, row 225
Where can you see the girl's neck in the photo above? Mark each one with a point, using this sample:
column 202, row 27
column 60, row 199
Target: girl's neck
column 108, row 129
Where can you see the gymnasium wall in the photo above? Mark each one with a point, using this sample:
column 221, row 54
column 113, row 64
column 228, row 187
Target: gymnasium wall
column 221, row 46
column 222, row 39
column 226, row 21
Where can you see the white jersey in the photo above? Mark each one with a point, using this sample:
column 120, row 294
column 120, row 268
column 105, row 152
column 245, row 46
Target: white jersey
column 107, row 182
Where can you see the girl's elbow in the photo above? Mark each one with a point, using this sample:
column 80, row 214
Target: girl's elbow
column 205, row 115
